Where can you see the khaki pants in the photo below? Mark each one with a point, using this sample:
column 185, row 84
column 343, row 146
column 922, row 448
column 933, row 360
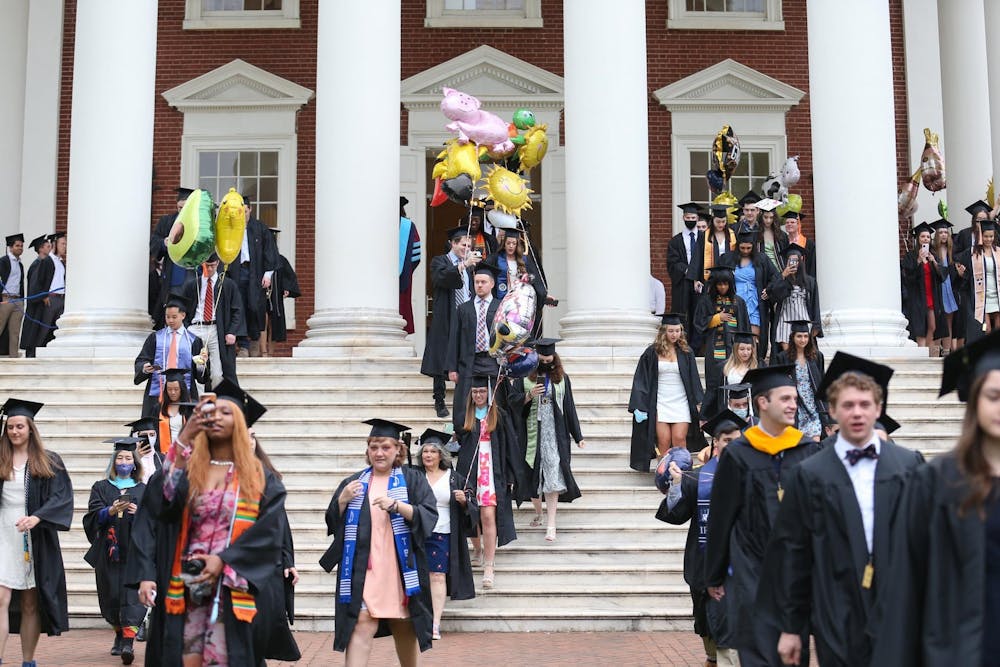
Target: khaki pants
column 209, row 335
column 727, row 657
column 11, row 316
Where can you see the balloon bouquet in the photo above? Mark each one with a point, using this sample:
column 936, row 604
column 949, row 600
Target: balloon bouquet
column 194, row 237
column 494, row 155
column 930, row 172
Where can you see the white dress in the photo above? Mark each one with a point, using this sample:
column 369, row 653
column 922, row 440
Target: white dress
column 15, row 572
column 671, row 399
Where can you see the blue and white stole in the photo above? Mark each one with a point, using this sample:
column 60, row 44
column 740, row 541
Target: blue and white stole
column 502, row 277
column 163, row 350
column 400, row 534
column 706, row 475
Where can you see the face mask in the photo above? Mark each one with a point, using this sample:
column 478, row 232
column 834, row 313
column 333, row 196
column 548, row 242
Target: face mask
column 124, row 469
column 547, row 366
column 690, row 224
column 742, row 413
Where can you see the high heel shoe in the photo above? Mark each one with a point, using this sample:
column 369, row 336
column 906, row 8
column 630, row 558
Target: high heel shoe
column 488, row 574
column 550, row 534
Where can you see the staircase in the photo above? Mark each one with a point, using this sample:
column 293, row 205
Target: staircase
column 614, row 567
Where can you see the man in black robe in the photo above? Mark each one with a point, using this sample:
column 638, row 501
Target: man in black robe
column 154, row 359
column 470, row 338
column 12, row 281
column 829, row 553
column 172, row 276
column 451, row 280
column 747, row 492
column 284, row 285
column 684, row 259
column 33, row 330
column 750, row 214
column 217, row 321
column 253, row 271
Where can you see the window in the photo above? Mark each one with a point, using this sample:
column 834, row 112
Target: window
column 229, row 14
column 725, row 15
column 483, row 14
column 252, row 173
column 753, row 170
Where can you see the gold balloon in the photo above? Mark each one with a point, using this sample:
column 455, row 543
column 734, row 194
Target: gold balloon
column 727, row 199
column 230, row 224
column 990, row 196
column 458, row 159
column 508, row 191
column 536, row 144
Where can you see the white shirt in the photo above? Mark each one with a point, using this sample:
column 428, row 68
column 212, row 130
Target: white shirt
column 200, row 310
column 59, row 277
column 862, row 476
column 13, row 284
column 442, row 498
column 463, row 291
column 245, row 247
column 657, row 296
column 690, row 240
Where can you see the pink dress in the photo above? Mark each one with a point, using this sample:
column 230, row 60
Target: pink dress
column 486, row 492
column 383, row 593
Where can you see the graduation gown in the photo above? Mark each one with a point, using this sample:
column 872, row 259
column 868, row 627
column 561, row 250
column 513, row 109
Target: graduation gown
column 461, row 353
column 255, row 556
column 272, row 637
column 119, row 605
column 51, row 500
column 643, row 398
column 409, row 258
column 568, row 431
column 781, row 288
column 445, row 279
column 931, row 609
column 703, row 315
column 228, row 313
column 965, row 289
column 816, row 368
column 764, row 273
column 536, row 280
column 464, row 520
column 421, row 498
column 263, row 258
column 684, row 274
column 817, row 554
column 743, row 509
column 915, row 303
column 148, row 355
column 34, row 332
column 503, row 442
column 283, row 280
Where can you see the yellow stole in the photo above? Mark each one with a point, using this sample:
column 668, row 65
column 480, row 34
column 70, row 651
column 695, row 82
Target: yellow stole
column 763, row 442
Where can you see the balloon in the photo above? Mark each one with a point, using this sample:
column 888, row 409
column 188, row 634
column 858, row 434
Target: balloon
column 793, row 203
column 716, row 183
column 230, row 225
column 523, row 119
column 725, row 152
column 508, row 191
column 501, row 220
column 942, row 209
column 458, row 189
column 790, row 171
column 458, row 159
column 727, row 199
column 776, row 186
column 514, row 318
column 535, row 146
column 906, row 203
column 439, row 195
column 472, row 124
column 678, row 455
column 931, row 163
column 989, row 193
column 191, row 240
column 521, row 363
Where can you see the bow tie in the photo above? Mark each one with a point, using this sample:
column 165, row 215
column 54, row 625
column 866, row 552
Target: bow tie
column 854, row 455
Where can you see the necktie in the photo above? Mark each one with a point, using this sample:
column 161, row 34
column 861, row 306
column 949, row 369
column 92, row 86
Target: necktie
column 481, row 340
column 172, row 354
column 854, row 455
column 208, row 313
column 691, row 247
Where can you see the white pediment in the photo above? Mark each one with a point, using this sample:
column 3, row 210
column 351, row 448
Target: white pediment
column 237, row 85
column 728, row 86
column 495, row 77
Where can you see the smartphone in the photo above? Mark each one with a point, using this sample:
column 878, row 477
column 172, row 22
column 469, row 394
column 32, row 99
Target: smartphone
column 209, row 406
column 925, row 247
column 793, row 261
column 157, row 367
column 126, row 498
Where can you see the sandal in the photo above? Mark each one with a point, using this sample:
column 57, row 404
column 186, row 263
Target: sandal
column 435, row 631
column 550, row 534
column 536, row 522
column 477, row 558
column 488, row 574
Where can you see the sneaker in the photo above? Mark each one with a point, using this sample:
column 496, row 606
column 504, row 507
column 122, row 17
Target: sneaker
column 442, row 411
column 436, row 631
column 128, row 652
column 116, row 648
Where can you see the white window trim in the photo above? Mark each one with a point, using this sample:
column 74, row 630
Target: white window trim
column 197, row 19
column 679, row 18
column 439, row 17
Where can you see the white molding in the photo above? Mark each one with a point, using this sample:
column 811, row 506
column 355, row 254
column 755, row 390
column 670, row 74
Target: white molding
column 729, row 86
column 238, row 85
column 439, row 17
column 679, row 18
column 197, row 19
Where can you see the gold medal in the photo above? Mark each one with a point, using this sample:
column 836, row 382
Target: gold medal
column 866, row 578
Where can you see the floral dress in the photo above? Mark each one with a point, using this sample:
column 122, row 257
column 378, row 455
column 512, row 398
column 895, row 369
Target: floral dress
column 486, row 492
column 807, row 416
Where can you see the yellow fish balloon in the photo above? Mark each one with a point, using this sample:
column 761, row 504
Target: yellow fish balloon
column 230, row 225
column 536, row 144
column 508, row 191
column 457, row 159
column 192, row 240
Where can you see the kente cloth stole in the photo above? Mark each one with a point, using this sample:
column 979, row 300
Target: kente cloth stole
column 400, row 535
column 723, row 305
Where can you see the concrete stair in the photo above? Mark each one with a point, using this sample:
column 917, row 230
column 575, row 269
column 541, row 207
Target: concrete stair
column 614, row 567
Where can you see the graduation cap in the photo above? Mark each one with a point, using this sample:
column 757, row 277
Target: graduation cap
column 792, row 214
column 962, row 367
column 922, row 227
column 431, row 436
column 383, row 428
column 456, row 233
column 142, row 424
column 123, row 444
column 940, row 224
column 704, row 215
column 477, row 212
column 977, row 206
column 722, row 274
column 742, row 337
column 724, row 422
column 844, row 363
column 14, row 238
column 513, row 233
column 763, row 380
column 486, row 269
column 987, row 226
column 251, row 409
column 15, row 407
column 183, row 193
column 750, row 198
column 403, row 201
column 546, row 346
column 746, row 235
column 212, row 259
column 740, row 390
column 55, row 237
column 887, row 424
column 720, row 210
column 690, row 207
column 800, row 326
column 37, row 243
column 481, row 382
column 792, row 249
column 768, row 204
column 175, row 375
column 671, row 318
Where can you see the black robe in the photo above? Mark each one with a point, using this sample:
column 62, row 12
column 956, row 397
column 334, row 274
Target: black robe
column 931, row 609
column 445, row 279
column 964, row 287
column 781, row 288
column 816, row 368
column 743, row 508
column 158, row 251
column 461, row 353
column 815, row 561
column 536, row 279
column 283, row 280
column 272, row 637
column 147, row 355
column 263, row 258
column 568, row 431
column 714, row 377
column 228, row 314
column 35, row 330
column 683, row 274
column 119, row 605
column 915, row 304
column 503, row 444
column 421, row 498
column 809, row 256
column 51, row 500
column 254, row 556
column 643, row 398
column 764, row 273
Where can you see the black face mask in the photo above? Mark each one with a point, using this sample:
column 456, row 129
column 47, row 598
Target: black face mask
column 545, row 366
column 690, row 224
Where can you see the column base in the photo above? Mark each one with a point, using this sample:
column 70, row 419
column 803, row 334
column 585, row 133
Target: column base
column 868, row 332
column 355, row 332
column 105, row 332
column 607, row 333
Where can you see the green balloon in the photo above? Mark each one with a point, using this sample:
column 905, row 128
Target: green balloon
column 523, row 119
column 943, row 209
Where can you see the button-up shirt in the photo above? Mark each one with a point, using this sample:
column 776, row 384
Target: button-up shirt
column 462, row 294
column 199, row 312
column 13, row 284
column 58, row 283
column 862, row 476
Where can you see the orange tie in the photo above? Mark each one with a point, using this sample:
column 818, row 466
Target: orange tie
column 172, row 354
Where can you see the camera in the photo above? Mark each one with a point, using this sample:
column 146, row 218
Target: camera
column 201, row 592
column 193, row 566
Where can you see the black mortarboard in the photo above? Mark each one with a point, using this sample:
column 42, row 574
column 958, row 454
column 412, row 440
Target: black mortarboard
column 749, row 198
column 403, row 201
column 793, row 214
column 704, row 215
column 977, row 206
column 476, row 212
column 800, row 326
column 742, row 337
column 123, row 444
column 987, row 226
column 721, row 274
column 273, row 230
column 177, row 301
column 14, row 238
column 940, row 224
column 741, row 390
column 175, row 375
column 887, row 424
column 724, row 422
column 746, row 236
column 480, row 381
column 183, row 193
column 456, row 233
column 762, row 380
column 247, row 199
column 383, row 428
column 252, row 410
column 546, row 346
column 792, row 249
column 36, row 243
column 671, row 318
column 690, row 207
column 843, row 363
column 142, row 424
column 922, row 227
column 720, row 210
column 15, row 407
column 963, row 366
column 513, row 233
column 55, row 237
column 432, row 436
column 487, row 269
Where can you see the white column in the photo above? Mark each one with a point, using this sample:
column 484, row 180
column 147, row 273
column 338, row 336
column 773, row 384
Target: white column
column 859, row 281
column 110, row 180
column 13, row 55
column 357, row 287
column 607, row 234
column 992, row 10
column 39, row 160
column 966, row 100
